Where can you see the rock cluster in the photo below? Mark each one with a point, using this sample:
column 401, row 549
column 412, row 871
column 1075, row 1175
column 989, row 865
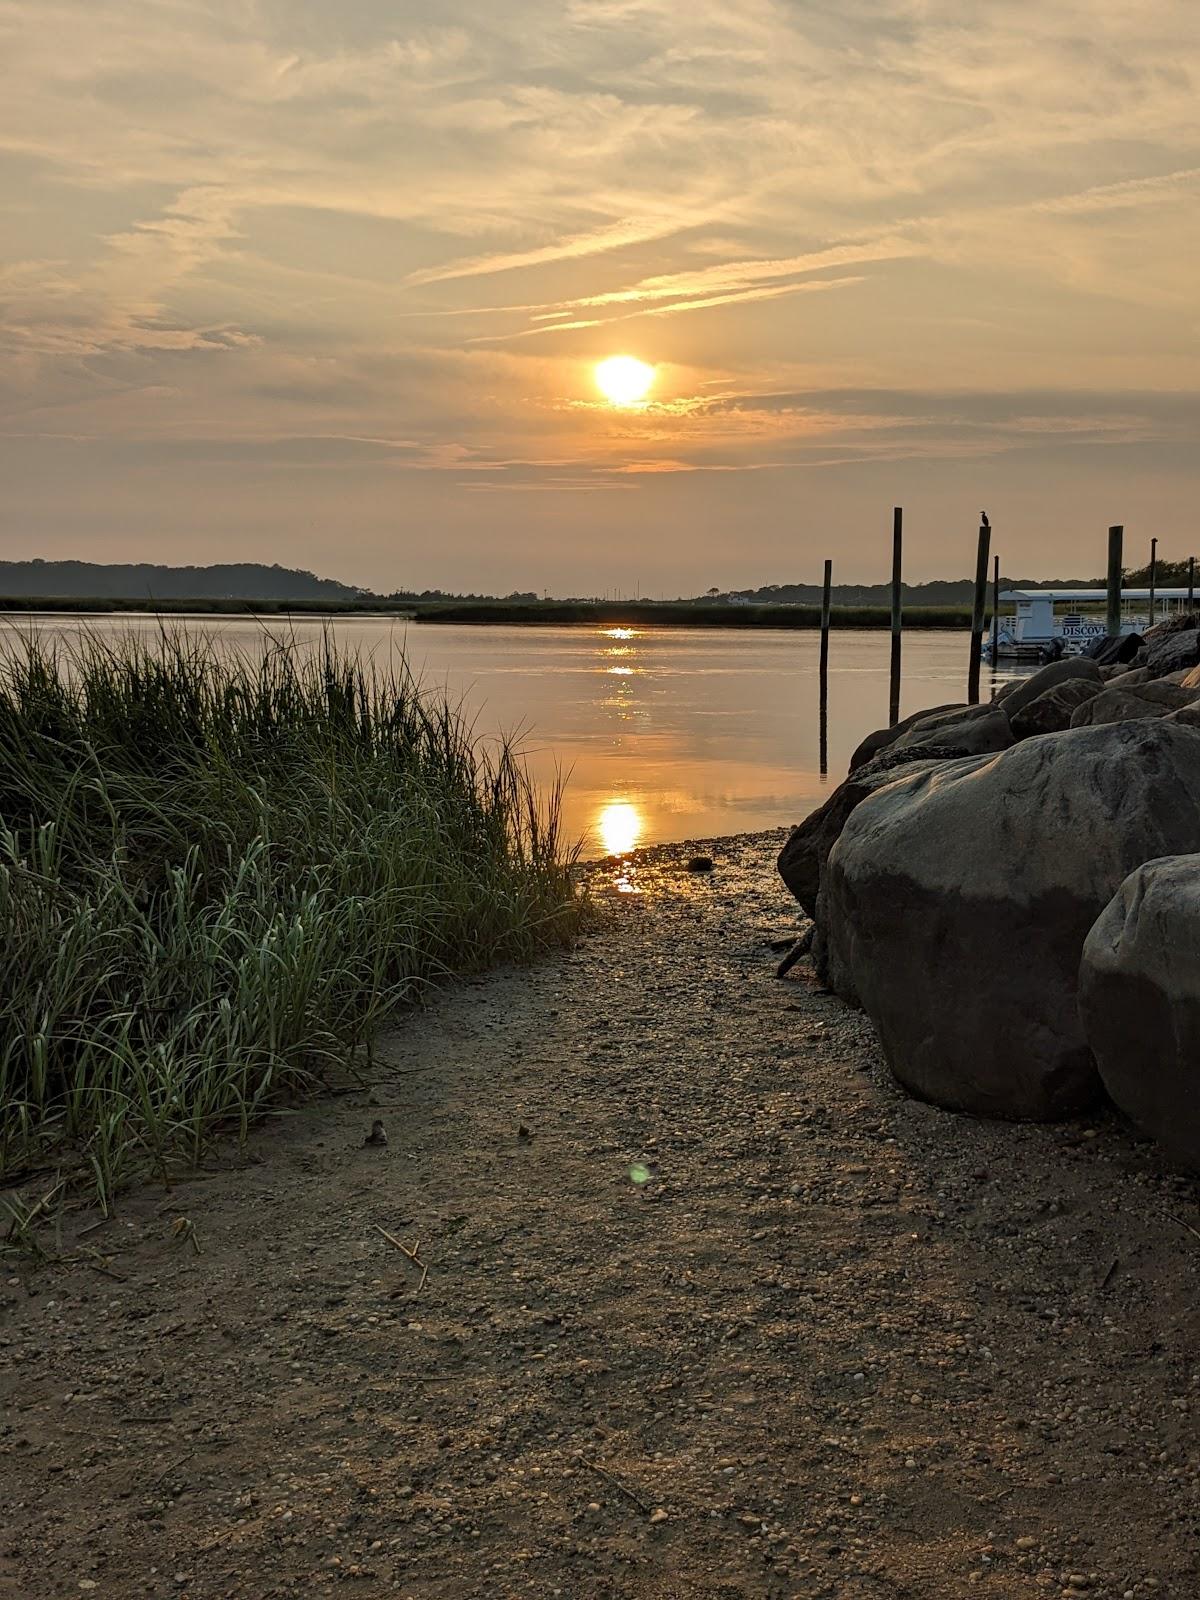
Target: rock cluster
column 1012, row 894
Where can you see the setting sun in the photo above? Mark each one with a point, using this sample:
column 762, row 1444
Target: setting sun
column 624, row 380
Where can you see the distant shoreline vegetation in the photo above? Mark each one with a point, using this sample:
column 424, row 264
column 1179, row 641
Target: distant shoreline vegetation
column 532, row 613
column 256, row 589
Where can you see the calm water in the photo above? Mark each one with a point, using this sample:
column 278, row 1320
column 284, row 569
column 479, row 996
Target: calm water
column 665, row 733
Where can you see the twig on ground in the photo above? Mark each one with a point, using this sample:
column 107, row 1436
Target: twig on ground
column 93, row 1258
column 1195, row 1232
column 414, row 1255
column 629, row 1494
column 1108, row 1276
column 801, row 948
column 175, row 1466
column 185, row 1228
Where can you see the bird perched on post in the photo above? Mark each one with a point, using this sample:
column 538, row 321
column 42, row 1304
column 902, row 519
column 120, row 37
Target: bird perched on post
column 983, row 519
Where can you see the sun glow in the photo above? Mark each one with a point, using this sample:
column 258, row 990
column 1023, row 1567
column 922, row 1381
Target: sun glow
column 624, row 380
column 619, row 826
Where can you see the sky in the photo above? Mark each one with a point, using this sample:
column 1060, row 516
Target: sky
column 326, row 285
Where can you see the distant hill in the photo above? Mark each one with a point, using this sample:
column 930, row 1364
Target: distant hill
column 939, row 592
column 243, row 580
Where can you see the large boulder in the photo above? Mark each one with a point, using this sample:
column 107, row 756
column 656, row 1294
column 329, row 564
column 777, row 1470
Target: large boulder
column 1024, row 691
column 1173, row 624
column 1128, row 675
column 1118, row 703
column 1114, row 648
column 1174, row 651
column 1139, row 998
column 977, row 730
column 957, row 902
column 801, row 862
column 883, row 737
column 1051, row 712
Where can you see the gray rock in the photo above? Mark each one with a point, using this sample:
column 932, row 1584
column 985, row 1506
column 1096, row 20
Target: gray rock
column 980, row 730
column 1139, row 998
column 957, row 901
column 801, row 862
column 1026, row 690
column 1173, row 651
column 1052, row 710
column 1117, row 703
column 883, row 737
column 1177, row 623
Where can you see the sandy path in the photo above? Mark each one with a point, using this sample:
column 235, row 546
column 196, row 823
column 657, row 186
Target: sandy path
column 841, row 1344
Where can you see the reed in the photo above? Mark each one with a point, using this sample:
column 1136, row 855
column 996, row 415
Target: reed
column 219, row 877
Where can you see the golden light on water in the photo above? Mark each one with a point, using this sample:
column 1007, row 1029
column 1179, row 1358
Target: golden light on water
column 619, row 827
column 624, row 380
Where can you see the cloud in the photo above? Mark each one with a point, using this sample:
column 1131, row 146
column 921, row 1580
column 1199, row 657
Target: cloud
column 317, row 229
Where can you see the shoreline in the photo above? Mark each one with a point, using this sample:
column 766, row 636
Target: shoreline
column 672, row 614
column 827, row 1340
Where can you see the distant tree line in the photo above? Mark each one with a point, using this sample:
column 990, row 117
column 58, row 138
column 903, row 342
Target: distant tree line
column 241, row 580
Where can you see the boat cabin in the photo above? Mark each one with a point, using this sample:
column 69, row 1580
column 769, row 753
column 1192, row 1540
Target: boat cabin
column 1047, row 623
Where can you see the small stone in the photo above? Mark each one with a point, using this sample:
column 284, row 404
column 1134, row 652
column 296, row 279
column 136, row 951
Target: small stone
column 700, row 864
column 1025, row 1542
column 658, row 1515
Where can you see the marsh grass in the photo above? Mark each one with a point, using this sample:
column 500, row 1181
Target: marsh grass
column 219, row 877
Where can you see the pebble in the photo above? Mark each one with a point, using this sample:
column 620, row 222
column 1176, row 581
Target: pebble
column 658, row 1515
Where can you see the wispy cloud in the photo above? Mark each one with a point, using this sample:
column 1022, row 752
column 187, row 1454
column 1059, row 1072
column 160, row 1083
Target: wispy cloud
column 298, row 225
column 1149, row 191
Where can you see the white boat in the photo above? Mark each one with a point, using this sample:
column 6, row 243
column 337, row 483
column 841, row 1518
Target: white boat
column 1045, row 624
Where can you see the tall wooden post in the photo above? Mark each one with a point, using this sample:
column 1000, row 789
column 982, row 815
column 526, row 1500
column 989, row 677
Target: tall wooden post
column 1191, row 582
column 995, row 612
column 1153, row 576
column 824, row 670
column 1112, row 622
column 981, row 566
column 897, row 549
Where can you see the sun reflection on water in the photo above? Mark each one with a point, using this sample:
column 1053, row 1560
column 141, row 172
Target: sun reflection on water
column 619, row 826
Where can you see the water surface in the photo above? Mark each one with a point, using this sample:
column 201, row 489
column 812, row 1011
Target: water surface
column 663, row 733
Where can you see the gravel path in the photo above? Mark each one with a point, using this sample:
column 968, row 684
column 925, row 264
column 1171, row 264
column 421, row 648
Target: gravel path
column 836, row 1343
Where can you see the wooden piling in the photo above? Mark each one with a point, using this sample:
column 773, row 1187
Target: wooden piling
column 1153, row 576
column 824, row 669
column 1112, row 621
column 981, row 566
column 995, row 651
column 894, row 682
column 1191, row 582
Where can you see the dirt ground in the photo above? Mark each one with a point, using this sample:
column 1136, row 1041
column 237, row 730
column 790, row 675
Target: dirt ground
column 834, row 1342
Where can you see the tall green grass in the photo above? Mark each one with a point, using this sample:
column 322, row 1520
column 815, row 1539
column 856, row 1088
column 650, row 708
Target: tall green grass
column 219, row 877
